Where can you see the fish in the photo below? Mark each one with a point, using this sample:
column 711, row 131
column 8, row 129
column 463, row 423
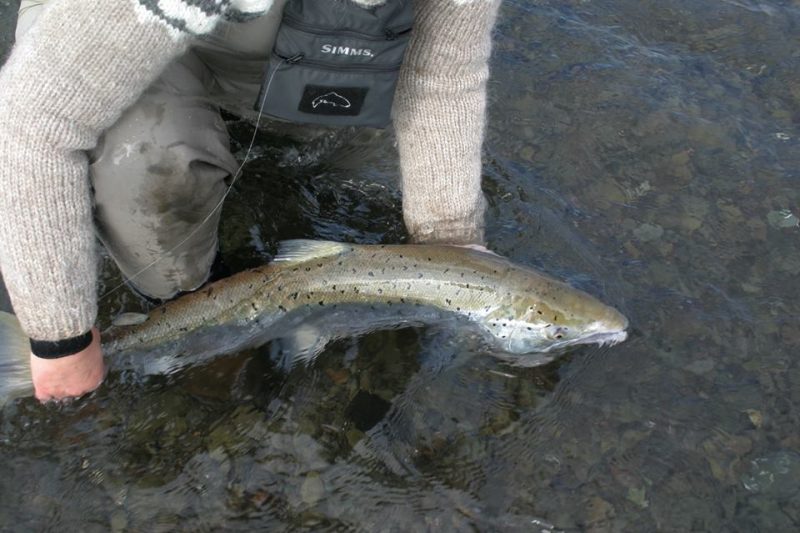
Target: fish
column 315, row 291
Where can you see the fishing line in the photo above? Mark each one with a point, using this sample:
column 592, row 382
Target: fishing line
column 221, row 200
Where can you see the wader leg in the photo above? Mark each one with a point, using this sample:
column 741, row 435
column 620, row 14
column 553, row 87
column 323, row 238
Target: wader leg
column 158, row 175
column 29, row 11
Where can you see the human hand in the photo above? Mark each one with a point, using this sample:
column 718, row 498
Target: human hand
column 71, row 376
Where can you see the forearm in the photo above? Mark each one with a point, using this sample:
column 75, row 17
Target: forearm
column 439, row 117
column 68, row 79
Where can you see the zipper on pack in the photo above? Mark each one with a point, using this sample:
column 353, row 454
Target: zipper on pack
column 389, row 34
column 299, row 59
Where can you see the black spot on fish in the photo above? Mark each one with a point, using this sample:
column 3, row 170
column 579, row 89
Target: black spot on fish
column 282, row 308
column 308, row 269
column 447, row 301
column 253, row 305
column 354, row 270
column 462, row 274
column 420, row 276
column 371, row 274
column 280, row 288
column 209, row 291
column 319, row 265
column 530, row 328
column 295, row 269
column 429, row 259
column 539, row 312
column 402, row 300
column 321, row 302
column 380, row 291
column 293, row 296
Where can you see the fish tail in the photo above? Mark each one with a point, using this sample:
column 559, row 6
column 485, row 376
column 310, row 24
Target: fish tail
column 15, row 373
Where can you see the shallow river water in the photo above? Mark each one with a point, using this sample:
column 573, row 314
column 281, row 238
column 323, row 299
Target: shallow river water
column 646, row 151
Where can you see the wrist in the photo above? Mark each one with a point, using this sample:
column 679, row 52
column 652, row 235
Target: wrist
column 61, row 348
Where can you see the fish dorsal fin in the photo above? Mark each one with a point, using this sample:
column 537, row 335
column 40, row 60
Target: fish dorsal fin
column 302, row 250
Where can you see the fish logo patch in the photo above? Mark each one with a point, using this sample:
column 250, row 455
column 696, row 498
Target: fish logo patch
column 331, row 99
column 326, row 100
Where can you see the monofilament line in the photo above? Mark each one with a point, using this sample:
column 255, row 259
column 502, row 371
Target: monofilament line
column 221, row 200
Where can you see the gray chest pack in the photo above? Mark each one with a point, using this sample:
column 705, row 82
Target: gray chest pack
column 336, row 63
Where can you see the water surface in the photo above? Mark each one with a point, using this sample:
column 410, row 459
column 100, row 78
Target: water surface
column 645, row 151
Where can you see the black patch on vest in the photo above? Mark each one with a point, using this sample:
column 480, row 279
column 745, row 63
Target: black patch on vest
column 323, row 100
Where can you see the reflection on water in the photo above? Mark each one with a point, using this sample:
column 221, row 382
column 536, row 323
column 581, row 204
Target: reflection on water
column 647, row 152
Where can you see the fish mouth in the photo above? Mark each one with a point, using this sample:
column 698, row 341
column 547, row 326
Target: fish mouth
column 601, row 338
column 604, row 338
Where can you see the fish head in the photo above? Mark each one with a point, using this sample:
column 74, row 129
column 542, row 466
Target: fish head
column 545, row 315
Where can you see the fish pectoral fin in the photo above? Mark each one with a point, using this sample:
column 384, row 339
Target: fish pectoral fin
column 15, row 374
column 302, row 250
column 300, row 346
column 129, row 319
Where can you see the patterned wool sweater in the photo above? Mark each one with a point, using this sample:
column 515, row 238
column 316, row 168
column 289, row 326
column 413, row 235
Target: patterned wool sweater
column 86, row 61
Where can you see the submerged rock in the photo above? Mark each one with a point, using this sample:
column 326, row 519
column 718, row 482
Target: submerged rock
column 774, row 475
column 783, row 219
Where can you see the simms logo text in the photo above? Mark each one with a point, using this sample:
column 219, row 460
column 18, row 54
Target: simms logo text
column 346, row 51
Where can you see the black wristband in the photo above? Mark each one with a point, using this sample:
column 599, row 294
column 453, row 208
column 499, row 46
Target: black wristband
column 62, row 348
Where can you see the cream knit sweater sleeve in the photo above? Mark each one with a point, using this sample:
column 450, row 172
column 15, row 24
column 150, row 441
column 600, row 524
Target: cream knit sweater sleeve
column 439, row 118
column 67, row 80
